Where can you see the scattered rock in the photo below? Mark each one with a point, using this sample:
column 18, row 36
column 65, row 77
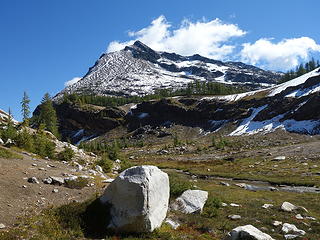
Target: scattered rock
column 247, row 232
column 225, row 184
column 265, row 206
column 173, row 224
column 279, row 158
column 55, row 190
column 57, row 180
column 24, row 186
column 299, row 217
column 288, row 207
column 234, row 217
column 290, row 236
column 79, row 167
column 33, row 180
column 1, row 142
column 138, row 199
column 234, row 205
column 34, row 164
column 47, row 180
column 93, row 172
column 2, row 226
column 276, row 223
column 191, row 201
column 291, row 228
column 99, row 169
column 242, row 185
column 110, row 180
column 311, row 218
column 224, row 204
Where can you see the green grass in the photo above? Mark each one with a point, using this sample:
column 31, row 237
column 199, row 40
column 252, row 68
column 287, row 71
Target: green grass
column 5, row 153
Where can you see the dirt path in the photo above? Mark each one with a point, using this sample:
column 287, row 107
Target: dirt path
column 18, row 197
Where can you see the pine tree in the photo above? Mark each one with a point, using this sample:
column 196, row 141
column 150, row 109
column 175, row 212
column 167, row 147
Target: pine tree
column 48, row 115
column 25, row 109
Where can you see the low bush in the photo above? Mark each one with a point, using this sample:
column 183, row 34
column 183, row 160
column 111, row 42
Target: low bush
column 66, row 155
column 211, row 207
column 178, row 185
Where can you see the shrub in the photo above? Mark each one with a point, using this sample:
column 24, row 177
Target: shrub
column 25, row 140
column 78, row 183
column 105, row 163
column 43, row 146
column 211, row 207
column 66, row 155
column 178, row 185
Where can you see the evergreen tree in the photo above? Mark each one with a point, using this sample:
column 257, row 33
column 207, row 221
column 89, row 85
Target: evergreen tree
column 25, row 109
column 48, row 115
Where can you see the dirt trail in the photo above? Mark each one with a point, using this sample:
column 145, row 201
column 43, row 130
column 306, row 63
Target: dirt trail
column 18, row 197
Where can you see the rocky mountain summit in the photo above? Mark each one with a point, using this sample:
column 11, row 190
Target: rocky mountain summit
column 139, row 70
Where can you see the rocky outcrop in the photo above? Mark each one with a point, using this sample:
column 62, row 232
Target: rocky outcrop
column 78, row 123
column 138, row 199
column 191, row 201
column 247, row 232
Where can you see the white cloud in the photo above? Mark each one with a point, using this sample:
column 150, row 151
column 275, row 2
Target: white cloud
column 72, row 81
column 283, row 55
column 207, row 38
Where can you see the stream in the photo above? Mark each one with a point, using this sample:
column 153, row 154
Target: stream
column 253, row 185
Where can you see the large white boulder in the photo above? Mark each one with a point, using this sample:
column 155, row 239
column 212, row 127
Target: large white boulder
column 191, row 201
column 288, row 207
column 138, row 199
column 247, row 232
column 291, row 228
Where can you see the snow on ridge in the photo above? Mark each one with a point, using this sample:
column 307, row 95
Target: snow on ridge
column 250, row 127
column 294, row 82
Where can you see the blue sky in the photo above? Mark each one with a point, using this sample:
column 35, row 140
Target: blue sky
column 45, row 43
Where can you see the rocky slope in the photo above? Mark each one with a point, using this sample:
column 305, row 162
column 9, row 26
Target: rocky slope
column 139, row 70
column 292, row 106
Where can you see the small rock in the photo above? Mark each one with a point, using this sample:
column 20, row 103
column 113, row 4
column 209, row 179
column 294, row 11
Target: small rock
column 234, row 217
column 291, row 228
column 55, row 190
column 33, row 180
column 234, row 205
column 247, row 232
column 225, row 184
column 173, row 224
column 93, row 172
column 57, row 180
column 265, row 206
column 276, row 223
column 99, row 168
column 1, row 142
column 34, row 164
column 242, row 185
column 299, row 217
column 79, row 167
column 117, row 161
column 47, row 180
column 273, row 189
column 311, row 218
column 288, row 207
column 2, row 226
column 110, row 180
column 279, row 158
column 41, row 169
column 224, row 204
column 24, row 186
column 290, row 236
